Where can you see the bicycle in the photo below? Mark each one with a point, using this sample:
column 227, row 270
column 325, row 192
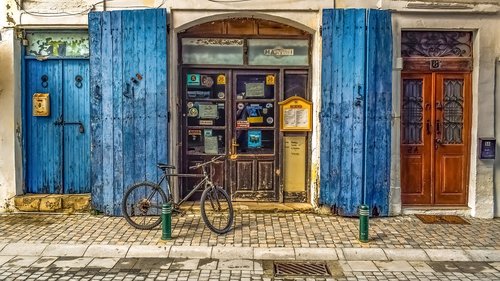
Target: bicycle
column 142, row 202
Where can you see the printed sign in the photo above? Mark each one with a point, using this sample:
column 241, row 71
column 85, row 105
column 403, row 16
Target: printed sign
column 193, row 79
column 211, row 145
column 270, row 79
column 254, row 139
column 194, row 132
column 296, row 114
column 208, row 111
column 41, row 104
column 206, row 122
column 221, row 79
column 254, row 90
column 242, row 124
column 278, row 52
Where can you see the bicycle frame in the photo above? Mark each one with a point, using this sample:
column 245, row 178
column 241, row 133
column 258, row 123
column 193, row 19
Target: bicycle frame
column 205, row 181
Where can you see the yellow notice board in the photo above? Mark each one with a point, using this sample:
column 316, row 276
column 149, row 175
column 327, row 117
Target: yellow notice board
column 295, row 164
column 296, row 115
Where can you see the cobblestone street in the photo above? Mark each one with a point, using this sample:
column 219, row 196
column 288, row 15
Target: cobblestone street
column 88, row 247
column 254, row 230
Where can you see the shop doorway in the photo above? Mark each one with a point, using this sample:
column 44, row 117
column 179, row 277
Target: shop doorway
column 435, row 119
column 234, row 74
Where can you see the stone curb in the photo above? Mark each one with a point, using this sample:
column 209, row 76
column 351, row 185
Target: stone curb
column 247, row 253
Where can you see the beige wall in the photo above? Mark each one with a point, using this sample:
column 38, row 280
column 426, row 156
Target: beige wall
column 476, row 15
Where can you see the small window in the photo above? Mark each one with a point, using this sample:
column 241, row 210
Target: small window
column 212, row 51
column 278, row 52
column 58, row 44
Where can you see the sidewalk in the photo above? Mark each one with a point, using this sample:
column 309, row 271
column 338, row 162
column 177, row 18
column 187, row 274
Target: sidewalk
column 54, row 244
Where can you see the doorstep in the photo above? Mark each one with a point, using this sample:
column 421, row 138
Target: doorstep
column 258, row 207
column 53, row 203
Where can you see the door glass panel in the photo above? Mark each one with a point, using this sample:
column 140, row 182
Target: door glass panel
column 206, row 113
column 255, row 86
column 295, row 85
column 206, row 141
column 212, row 51
column 58, row 44
column 453, row 111
column 255, row 141
column 278, row 52
column 412, row 111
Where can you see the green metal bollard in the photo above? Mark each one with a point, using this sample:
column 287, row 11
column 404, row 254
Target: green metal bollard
column 364, row 214
column 166, row 222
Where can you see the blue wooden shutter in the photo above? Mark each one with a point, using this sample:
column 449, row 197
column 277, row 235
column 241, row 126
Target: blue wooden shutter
column 129, row 103
column 357, row 63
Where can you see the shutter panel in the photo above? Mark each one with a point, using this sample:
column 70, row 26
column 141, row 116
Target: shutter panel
column 128, row 61
column 349, row 79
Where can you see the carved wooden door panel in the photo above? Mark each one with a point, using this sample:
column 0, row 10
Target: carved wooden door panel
column 435, row 126
column 416, row 139
column 452, row 119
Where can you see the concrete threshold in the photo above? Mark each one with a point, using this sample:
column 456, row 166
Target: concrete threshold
column 259, row 207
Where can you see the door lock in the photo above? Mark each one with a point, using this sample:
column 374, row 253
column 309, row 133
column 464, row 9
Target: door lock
column 60, row 122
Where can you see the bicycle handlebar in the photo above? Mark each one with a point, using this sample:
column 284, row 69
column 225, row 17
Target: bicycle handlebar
column 206, row 163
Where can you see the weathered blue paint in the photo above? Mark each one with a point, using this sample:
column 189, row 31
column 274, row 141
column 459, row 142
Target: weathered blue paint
column 346, row 88
column 129, row 106
column 379, row 108
column 76, row 108
column 56, row 156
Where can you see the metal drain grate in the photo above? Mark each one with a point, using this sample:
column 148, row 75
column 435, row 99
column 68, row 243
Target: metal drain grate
column 301, row 269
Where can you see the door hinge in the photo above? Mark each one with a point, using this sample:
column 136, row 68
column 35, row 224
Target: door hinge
column 168, row 28
column 168, row 117
column 320, row 31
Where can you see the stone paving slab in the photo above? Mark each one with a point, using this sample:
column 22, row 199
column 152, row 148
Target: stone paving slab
column 190, row 252
column 354, row 254
column 108, row 251
column 484, row 255
column 4, row 259
column 21, row 261
column 219, row 252
column 315, row 254
column 147, row 251
column 274, row 254
column 447, row 255
column 63, row 250
column 23, row 249
column 399, row 266
column 406, row 254
column 71, row 262
column 103, row 263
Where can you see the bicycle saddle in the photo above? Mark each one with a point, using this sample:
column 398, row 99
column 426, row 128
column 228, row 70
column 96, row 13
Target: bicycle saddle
column 164, row 166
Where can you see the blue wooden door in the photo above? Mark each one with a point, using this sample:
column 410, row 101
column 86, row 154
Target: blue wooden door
column 44, row 163
column 356, row 110
column 76, row 126
column 56, row 150
column 129, row 102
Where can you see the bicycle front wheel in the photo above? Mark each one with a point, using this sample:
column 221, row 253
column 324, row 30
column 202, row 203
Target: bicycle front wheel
column 141, row 205
column 217, row 209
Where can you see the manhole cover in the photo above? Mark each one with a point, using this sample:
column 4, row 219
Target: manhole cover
column 301, row 269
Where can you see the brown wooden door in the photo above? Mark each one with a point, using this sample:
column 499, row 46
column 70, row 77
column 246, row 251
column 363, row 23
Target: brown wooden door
column 254, row 140
column 435, row 128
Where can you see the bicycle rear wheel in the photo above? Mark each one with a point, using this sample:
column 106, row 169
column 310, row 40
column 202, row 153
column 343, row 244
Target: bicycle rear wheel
column 217, row 209
column 141, row 205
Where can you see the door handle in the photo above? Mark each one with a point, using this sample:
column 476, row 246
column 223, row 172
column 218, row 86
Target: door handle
column 234, row 145
column 437, row 143
column 428, row 127
column 80, row 126
column 438, row 127
column 60, row 122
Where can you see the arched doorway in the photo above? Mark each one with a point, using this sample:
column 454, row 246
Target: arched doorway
column 233, row 74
